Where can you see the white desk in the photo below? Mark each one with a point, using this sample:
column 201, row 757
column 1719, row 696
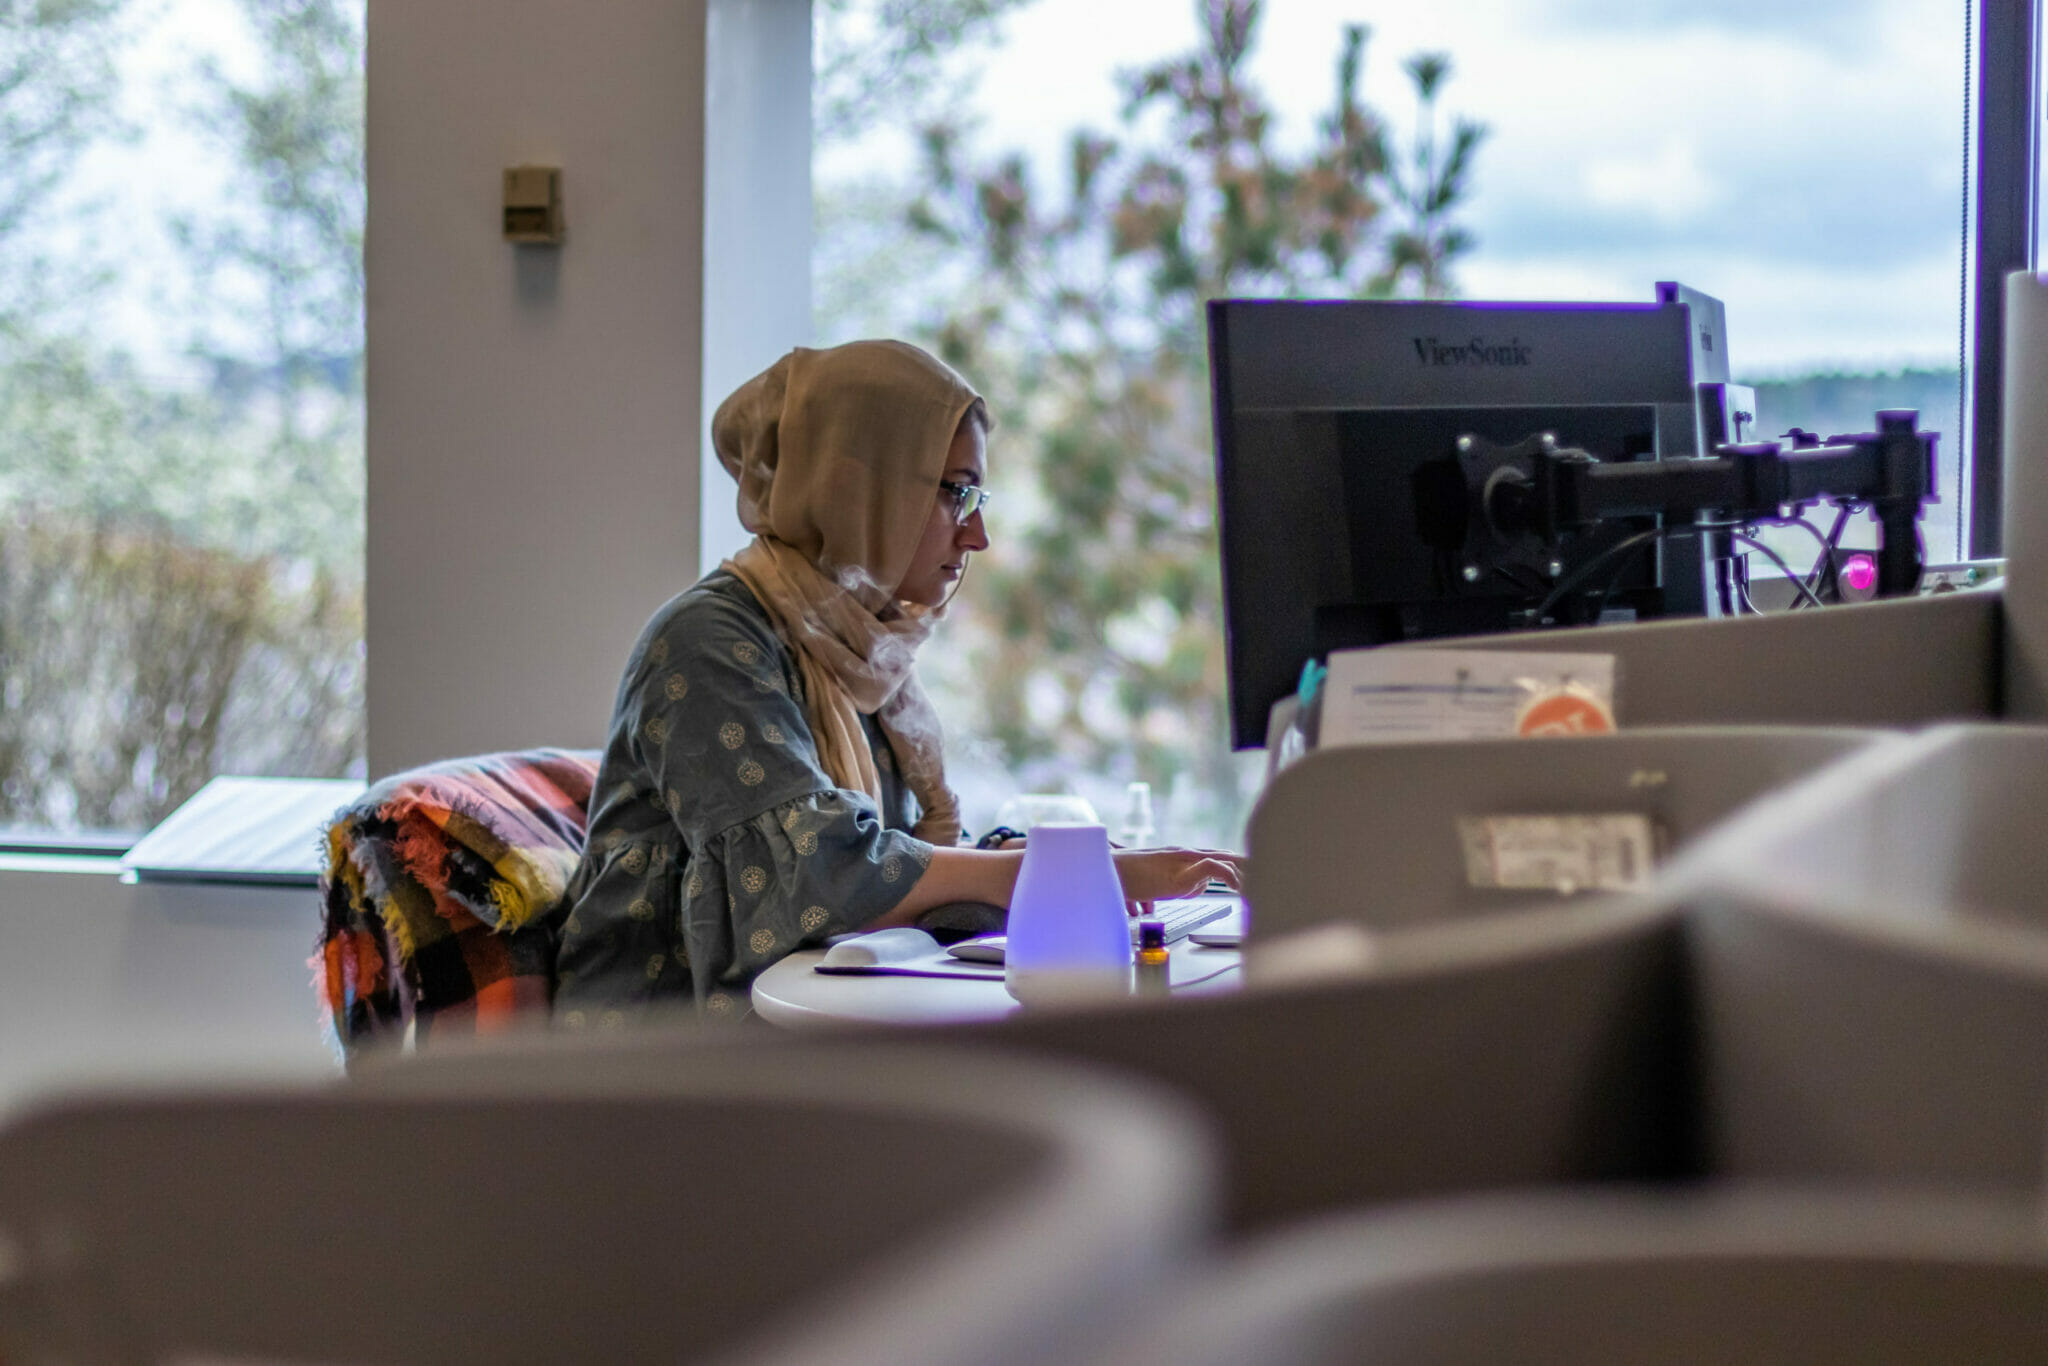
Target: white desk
column 793, row 996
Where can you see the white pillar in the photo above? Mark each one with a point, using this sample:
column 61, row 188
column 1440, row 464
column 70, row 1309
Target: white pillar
column 757, row 218
column 536, row 415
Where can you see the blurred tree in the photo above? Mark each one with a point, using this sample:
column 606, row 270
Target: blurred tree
column 134, row 665
column 1427, row 189
column 290, row 251
column 57, row 79
column 877, row 61
column 157, row 624
column 1097, row 617
column 181, row 567
column 881, row 68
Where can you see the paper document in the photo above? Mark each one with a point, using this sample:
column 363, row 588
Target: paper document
column 1382, row 696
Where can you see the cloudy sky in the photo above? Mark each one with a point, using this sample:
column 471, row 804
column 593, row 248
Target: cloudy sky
column 1801, row 161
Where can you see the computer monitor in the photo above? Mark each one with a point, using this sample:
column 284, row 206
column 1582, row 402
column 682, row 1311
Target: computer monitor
column 1341, row 495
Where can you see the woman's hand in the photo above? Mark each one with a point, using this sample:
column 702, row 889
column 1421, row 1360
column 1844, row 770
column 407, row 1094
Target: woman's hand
column 1150, row 875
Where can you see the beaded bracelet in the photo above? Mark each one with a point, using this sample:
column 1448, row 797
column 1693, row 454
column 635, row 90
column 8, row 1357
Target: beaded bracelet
column 994, row 839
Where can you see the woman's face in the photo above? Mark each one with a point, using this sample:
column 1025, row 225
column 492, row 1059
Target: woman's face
column 941, row 556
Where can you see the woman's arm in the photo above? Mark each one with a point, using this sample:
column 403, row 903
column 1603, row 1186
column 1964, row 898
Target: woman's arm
column 990, row 875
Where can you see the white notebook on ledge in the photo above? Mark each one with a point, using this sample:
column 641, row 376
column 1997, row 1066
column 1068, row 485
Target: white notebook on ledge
column 267, row 830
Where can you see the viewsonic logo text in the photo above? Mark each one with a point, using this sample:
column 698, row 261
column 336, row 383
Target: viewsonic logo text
column 1471, row 351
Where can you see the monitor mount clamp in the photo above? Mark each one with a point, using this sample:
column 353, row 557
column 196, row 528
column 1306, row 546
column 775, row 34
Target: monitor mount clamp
column 1533, row 502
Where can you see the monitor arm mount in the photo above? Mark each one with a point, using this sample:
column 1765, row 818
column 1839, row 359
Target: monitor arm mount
column 1540, row 489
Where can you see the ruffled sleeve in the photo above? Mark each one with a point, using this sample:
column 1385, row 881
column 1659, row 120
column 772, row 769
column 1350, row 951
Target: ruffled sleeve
column 784, row 879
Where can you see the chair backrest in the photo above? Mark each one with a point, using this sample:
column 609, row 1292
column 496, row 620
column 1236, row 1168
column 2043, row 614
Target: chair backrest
column 727, row 1204
column 1703, row 1278
column 1371, row 834
column 437, row 887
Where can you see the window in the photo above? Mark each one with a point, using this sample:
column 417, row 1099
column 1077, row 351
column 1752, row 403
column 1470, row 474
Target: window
column 1803, row 164
column 181, row 418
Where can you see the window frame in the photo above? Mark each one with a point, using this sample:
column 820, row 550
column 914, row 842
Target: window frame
column 2005, row 204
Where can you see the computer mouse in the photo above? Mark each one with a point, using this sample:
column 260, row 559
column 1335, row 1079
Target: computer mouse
column 987, row 949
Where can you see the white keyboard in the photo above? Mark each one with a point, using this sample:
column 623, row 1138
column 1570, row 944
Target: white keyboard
column 1181, row 918
column 1184, row 916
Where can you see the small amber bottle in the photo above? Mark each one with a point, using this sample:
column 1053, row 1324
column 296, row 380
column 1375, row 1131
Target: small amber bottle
column 1152, row 977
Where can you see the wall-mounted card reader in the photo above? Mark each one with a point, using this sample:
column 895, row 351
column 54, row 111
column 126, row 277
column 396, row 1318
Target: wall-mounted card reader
column 533, row 204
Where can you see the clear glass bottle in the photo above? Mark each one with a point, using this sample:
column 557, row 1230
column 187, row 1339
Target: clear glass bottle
column 1135, row 831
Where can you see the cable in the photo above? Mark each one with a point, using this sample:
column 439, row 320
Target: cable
column 1826, row 573
column 1800, row 522
column 1518, row 581
column 1585, row 571
column 1614, row 581
column 1779, row 560
column 1826, row 559
column 1607, row 590
column 1628, row 543
column 1621, row 547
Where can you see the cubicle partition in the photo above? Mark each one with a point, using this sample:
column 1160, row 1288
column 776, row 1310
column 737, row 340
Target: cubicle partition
column 1379, row 835
column 1554, row 1050
column 1870, row 949
column 1863, row 976
column 1897, row 662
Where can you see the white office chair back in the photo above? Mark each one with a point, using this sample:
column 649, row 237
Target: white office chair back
column 731, row 1205
column 1597, row 1278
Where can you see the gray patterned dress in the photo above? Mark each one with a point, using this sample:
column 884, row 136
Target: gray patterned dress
column 718, row 844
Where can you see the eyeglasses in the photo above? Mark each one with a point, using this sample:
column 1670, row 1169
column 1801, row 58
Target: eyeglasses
column 968, row 499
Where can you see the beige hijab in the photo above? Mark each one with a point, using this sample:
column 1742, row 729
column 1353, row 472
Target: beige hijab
column 838, row 454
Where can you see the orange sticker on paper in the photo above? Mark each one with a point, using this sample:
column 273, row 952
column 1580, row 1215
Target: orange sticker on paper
column 1567, row 711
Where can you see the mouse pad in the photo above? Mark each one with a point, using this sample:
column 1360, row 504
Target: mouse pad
column 899, row 953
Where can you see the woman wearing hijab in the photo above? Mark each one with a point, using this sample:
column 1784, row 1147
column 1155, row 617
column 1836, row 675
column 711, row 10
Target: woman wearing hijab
column 775, row 773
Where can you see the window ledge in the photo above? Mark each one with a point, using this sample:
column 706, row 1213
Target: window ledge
column 105, row 865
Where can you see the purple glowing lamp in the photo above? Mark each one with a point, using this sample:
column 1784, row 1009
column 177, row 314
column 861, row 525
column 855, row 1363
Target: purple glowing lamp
column 1068, row 933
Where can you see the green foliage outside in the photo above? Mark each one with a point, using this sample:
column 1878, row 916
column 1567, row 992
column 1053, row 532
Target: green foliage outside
column 181, row 561
column 137, row 660
column 1096, row 621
